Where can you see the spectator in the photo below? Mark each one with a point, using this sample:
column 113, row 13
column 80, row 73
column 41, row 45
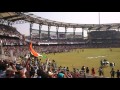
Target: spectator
column 61, row 74
column 112, row 72
column 100, row 71
column 118, row 74
column 87, row 70
column 93, row 71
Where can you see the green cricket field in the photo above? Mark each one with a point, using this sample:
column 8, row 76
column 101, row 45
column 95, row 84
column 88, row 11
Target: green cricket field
column 89, row 58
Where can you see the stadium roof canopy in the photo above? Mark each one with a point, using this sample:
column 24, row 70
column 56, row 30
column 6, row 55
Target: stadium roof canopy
column 29, row 17
column 10, row 16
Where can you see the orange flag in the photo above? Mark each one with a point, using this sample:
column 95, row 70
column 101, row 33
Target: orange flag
column 33, row 52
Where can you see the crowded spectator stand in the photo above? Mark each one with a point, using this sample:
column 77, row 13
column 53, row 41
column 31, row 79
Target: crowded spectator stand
column 23, row 66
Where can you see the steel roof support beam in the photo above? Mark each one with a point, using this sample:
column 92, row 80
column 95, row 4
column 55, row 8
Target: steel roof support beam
column 74, row 29
column 31, row 25
column 82, row 33
column 87, row 33
column 40, row 27
column 66, row 32
column 57, row 28
column 13, row 20
column 49, row 31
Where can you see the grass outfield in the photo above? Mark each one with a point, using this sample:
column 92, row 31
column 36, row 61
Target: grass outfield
column 90, row 58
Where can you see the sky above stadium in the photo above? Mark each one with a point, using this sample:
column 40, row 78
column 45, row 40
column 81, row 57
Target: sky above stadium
column 71, row 17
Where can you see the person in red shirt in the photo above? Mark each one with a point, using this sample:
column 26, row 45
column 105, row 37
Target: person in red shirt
column 93, row 71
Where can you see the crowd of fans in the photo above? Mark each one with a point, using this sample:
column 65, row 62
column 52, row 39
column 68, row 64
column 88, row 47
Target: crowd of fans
column 34, row 68
column 8, row 41
column 10, row 36
column 60, row 41
column 99, row 45
column 9, row 31
column 23, row 50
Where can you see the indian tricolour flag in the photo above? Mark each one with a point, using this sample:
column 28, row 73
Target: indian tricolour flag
column 34, row 53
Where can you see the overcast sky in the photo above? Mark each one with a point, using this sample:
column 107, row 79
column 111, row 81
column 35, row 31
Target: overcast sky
column 72, row 17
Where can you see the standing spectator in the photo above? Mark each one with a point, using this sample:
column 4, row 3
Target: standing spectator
column 112, row 72
column 69, row 75
column 87, row 70
column 67, row 69
column 100, row 71
column 54, row 64
column 3, row 69
column 93, row 71
column 61, row 74
column 118, row 74
column 83, row 69
column 101, row 62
